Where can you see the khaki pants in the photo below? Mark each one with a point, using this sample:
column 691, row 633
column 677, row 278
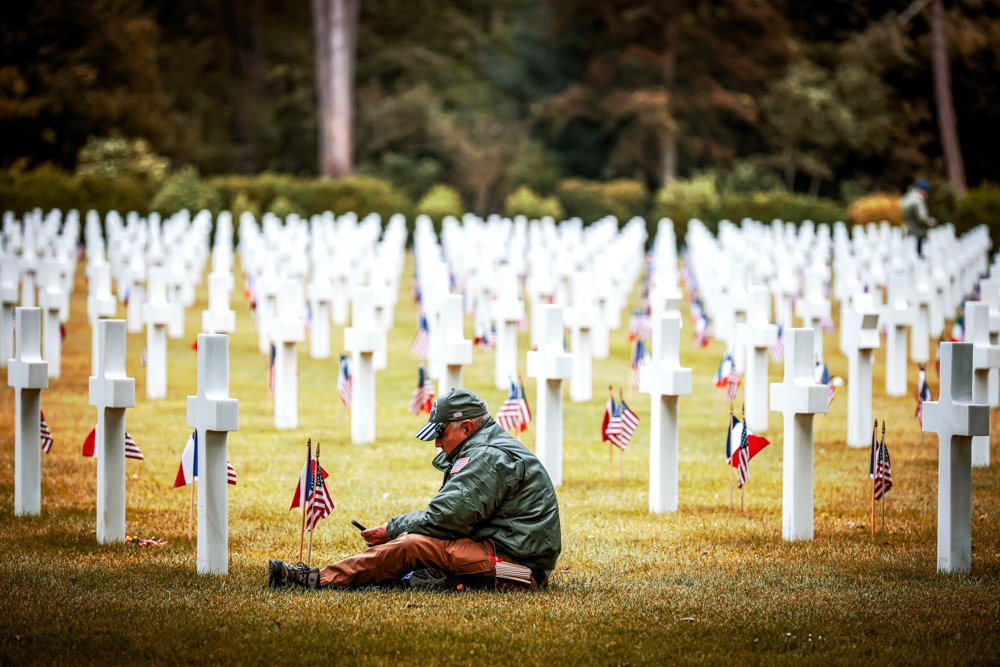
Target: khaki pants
column 390, row 561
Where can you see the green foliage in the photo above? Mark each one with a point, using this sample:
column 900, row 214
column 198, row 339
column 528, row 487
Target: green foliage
column 592, row 200
column 102, row 194
column 115, row 157
column 440, row 200
column 48, row 187
column 685, row 199
column 282, row 207
column 358, row 194
column 790, row 207
column 185, row 190
column 414, row 176
column 243, row 204
column 525, row 201
column 980, row 206
column 876, row 207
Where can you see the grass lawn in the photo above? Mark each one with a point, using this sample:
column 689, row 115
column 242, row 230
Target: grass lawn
column 707, row 584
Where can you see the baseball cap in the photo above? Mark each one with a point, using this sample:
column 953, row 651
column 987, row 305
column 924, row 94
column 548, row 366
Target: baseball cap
column 922, row 185
column 456, row 405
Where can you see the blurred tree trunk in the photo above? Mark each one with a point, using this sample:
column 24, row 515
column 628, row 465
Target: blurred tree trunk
column 335, row 26
column 945, row 105
column 669, row 74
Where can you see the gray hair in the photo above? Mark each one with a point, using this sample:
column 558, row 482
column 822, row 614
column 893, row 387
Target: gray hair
column 480, row 420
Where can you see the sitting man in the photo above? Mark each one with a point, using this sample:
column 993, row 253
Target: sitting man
column 495, row 510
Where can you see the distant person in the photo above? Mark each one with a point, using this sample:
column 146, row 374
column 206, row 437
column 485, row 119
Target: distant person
column 915, row 214
column 493, row 523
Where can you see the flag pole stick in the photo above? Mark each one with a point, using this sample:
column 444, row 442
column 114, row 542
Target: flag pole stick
column 874, row 429
column 883, row 484
column 728, row 436
column 744, row 415
column 312, row 503
column 611, row 447
column 302, row 531
column 191, row 509
column 621, row 458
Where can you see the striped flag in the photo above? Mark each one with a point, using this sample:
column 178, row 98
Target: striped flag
column 270, row 368
column 421, row 344
column 514, row 414
column 423, row 395
column 777, row 349
column 822, row 376
column 131, row 449
column 726, row 377
column 303, row 489
column 883, row 473
column 958, row 330
column 639, row 325
column 702, row 332
column 344, row 380
column 321, row 505
column 609, row 409
column 622, row 425
column 749, row 446
column 639, row 359
column 44, row 433
column 187, row 471
column 923, row 394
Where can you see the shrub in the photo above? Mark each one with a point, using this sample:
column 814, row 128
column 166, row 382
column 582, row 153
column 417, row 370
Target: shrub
column 525, row 201
column 184, row 190
column 357, row 194
column 876, row 208
column 440, row 200
column 120, row 194
column 683, row 200
column 592, row 200
column 282, row 207
column 115, row 157
column 787, row 206
column 243, row 204
column 980, row 206
column 46, row 187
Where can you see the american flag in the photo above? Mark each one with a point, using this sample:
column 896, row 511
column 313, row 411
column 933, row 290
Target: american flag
column 514, row 414
column 421, row 344
column 639, row 359
column 609, row 409
column 883, row 473
column 132, row 449
column 923, row 394
column 423, row 395
column 303, row 489
column 822, row 376
column 726, row 376
column 777, row 349
column 344, row 380
column 958, row 330
column 270, row 368
column 750, row 444
column 639, row 326
column 230, row 473
column 826, row 325
column 487, row 337
column 45, row 433
column 321, row 505
column 622, row 425
column 187, row 471
column 702, row 331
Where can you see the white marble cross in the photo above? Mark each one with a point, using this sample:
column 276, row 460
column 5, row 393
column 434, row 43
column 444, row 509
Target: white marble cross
column 798, row 398
column 111, row 391
column 456, row 350
column 214, row 414
column 9, row 275
column 100, row 303
column 580, row 318
column 50, row 298
column 320, row 291
column 985, row 357
column 219, row 317
column 363, row 338
column 550, row 365
column 157, row 313
column 758, row 335
column 863, row 340
column 955, row 419
column 136, row 290
column 664, row 380
column 813, row 308
column 921, row 295
column 287, row 331
column 508, row 310
column 28, row 374
column 989, row 291
column 896, row 316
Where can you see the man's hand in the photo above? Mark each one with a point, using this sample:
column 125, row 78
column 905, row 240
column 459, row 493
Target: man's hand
column 375, row 536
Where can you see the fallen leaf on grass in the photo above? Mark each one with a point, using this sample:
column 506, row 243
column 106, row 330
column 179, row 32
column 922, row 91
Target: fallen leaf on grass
column 687, row 619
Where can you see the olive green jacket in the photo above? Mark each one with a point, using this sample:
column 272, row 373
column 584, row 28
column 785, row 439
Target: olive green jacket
column 494, row 488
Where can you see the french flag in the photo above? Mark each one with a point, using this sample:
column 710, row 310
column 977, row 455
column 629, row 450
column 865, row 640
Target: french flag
column 303, row 490
column 187, row 472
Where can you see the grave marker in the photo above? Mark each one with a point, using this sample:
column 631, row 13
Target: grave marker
column 27, row 373
column 550, row 365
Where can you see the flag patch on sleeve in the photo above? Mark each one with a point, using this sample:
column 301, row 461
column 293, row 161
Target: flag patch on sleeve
column 460, row 465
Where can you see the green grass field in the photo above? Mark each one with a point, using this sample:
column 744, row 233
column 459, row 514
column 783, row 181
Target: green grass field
column 707, row 584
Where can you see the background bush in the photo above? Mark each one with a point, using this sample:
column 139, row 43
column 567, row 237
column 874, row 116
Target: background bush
column 440, row 200
column 876, row 208
column 525, row 201
column 184, row 190
column 980, row 206
column 592, row 200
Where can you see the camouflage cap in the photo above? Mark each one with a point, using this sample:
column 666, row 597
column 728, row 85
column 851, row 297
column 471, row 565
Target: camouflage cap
column 456, row 405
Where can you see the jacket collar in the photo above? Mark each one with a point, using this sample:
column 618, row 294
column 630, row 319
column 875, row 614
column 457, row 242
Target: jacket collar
column 444, row 461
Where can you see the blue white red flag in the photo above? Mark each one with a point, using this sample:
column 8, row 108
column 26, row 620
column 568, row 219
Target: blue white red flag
column 777, row 349
column 423, row 395
column 131, row 449
column 45, row 435
column 270, row 368
column 923, row 394
column 822, row 376
column 421, row 344
column 514, row 414
column 344, row 380
column 639, row 359
column 303, row 489
column 187, row 471
column 726, row 376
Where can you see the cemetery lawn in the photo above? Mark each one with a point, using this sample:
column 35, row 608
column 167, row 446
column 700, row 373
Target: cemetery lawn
column 708, row 584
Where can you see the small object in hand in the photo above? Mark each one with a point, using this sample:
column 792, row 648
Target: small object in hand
column 357, row 525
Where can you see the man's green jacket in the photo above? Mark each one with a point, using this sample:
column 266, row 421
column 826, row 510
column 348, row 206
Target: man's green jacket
column 494, row 488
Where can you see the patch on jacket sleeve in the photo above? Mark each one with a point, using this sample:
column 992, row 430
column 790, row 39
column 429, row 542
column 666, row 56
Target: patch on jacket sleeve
column 459, row 465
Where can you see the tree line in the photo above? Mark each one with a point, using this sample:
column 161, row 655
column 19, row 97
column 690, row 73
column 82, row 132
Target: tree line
column 834, row 99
